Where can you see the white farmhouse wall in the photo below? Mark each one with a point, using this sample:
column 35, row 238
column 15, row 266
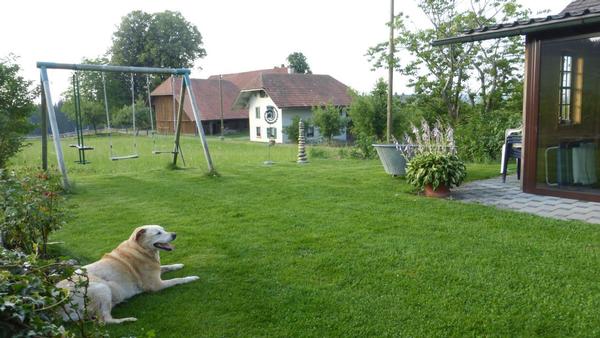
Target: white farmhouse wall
column 284, row 119
column 262, row 103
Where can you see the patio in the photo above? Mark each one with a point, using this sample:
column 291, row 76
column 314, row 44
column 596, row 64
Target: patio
column 509, row 196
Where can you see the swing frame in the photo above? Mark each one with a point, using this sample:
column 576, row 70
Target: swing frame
column 49, row 115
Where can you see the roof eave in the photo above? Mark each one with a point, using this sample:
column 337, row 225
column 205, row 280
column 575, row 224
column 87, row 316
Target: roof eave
column 241, row 101
column 514, row 31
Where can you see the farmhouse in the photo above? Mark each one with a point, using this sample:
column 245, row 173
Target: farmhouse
column 263, row 101
column 273, row 100
column 561, row 117
column 209, row 93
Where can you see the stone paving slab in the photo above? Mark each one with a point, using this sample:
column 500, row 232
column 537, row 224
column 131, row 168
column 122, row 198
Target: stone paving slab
column 509, row 196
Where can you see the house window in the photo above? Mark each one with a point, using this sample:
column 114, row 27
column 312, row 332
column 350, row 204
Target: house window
column 310, row 131
column 257, row 112
column 258, row 132
column 272, row 132
column 566, row 72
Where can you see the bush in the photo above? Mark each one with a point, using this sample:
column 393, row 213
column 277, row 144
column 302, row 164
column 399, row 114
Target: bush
column 329, row 121
column 479, row 137
column 435, row 169
column 314, row 152
column 433, row 158
column 363, row 147
column 31, row 301
column 16, row 105
column 29, row 298
column 30, row 209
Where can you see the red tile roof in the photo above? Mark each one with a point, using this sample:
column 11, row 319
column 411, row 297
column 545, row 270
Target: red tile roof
column 207, row 97
column 246, row 79
column 302, row 90
column 286, row 90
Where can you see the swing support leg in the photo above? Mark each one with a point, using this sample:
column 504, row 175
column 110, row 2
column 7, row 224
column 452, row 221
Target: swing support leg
column 44, row 130
column 54, row 126
column 179, row 118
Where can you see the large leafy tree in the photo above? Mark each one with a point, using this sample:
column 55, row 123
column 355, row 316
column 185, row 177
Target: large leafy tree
column 164, row 39
column 297, row 62
column 441, row 76
column 16, row 106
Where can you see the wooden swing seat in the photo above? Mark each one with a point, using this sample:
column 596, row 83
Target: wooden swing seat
column 158, row 152
column 126, row 157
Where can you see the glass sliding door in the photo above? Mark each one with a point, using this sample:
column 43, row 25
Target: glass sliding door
column 568, row 131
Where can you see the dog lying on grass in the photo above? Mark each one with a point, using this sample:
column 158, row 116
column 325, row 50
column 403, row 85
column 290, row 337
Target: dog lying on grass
column 132, row 268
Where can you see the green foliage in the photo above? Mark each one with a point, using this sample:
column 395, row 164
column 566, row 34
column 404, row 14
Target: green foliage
column 16, row 106
column 30, row 210
column 122, row 118
column 292, row 130
column 479, row 137
column 363, row 147
column 435, row 169
column 368, row 113
column 164, row 39
column 440, row 75
column 329, row 121
column 316, row 152
column 432, row 157
column 31, row 300
column 92, row 112
column 297, row 62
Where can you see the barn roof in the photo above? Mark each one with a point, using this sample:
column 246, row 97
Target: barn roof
column 577, row 13
column 297, row 90
column 208, row 98
column 244, row 79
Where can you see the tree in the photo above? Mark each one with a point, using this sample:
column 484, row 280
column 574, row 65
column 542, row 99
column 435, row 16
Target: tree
column 16, row 106
column 368, row 112
column 440, row 75
column 297, row 62
column 164, row 39
column 327, row 118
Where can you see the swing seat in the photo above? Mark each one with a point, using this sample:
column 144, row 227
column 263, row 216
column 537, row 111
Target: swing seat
column 158, row 152
column 80, row 147
column 126, row 157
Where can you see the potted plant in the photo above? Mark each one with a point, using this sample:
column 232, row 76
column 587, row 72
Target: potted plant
column 434, row 166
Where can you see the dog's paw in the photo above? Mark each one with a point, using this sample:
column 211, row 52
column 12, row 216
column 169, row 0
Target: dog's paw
column 191, row 278
column 177, row 266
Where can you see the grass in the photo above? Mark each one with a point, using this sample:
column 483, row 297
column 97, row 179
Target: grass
column 333, row 248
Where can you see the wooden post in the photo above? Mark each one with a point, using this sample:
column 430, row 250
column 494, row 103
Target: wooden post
column 179, row 118
column 44, row 130
column 221, row 97
column 390, row 75
column 54, row 127
column 196, row 111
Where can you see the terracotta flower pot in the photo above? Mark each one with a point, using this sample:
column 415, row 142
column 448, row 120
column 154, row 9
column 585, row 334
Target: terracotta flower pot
column 442, row 191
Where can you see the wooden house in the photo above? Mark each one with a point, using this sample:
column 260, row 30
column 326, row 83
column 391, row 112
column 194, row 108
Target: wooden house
column 561, row 110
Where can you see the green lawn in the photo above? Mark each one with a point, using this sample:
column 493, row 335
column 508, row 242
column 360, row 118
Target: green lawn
column 333, row 248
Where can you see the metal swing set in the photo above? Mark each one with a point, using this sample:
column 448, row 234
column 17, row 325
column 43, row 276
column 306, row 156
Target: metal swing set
column 49, row 115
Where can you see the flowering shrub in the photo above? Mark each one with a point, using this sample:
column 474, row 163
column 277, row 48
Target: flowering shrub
column 432, row 157
column 427, row 140
column 30, row 209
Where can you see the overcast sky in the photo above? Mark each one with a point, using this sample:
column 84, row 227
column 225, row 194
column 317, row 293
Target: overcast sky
column 238, row 35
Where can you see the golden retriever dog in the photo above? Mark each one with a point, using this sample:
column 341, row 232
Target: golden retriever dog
column 132, row 268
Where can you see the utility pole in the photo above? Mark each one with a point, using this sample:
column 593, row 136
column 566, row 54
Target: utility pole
column 221, row 96
column 390, row 97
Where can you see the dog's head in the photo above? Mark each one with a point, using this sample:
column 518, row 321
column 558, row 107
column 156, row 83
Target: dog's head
column 153, row 237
